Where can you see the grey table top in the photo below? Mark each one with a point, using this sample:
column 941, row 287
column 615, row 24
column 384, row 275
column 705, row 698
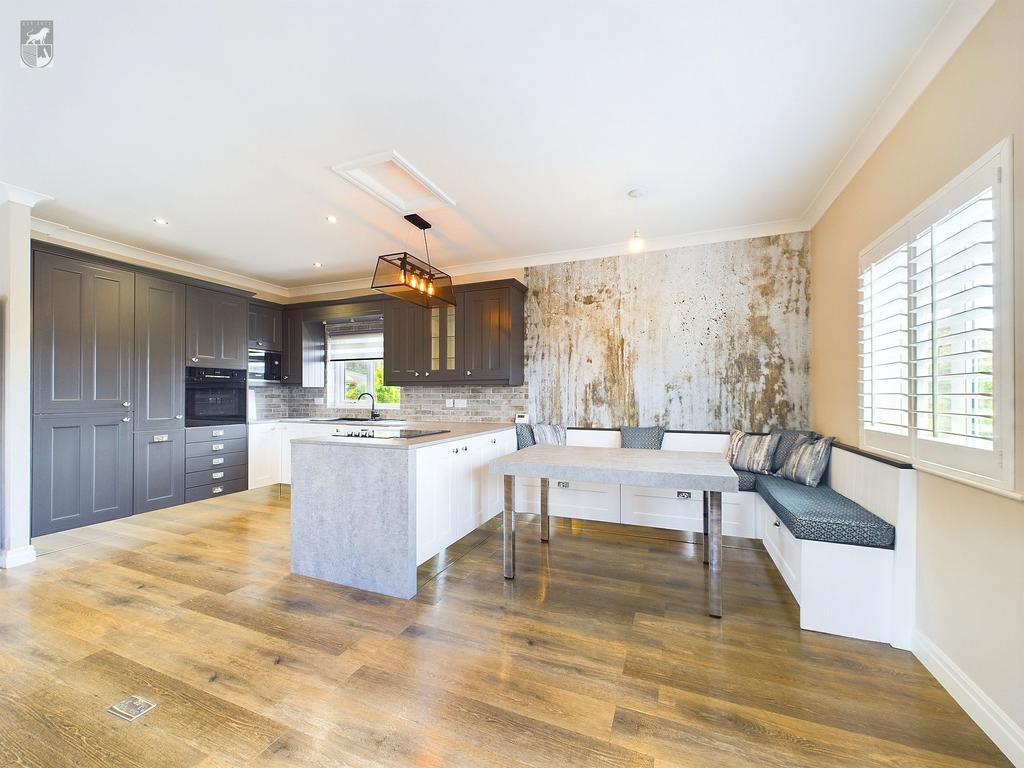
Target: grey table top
column 625, row 466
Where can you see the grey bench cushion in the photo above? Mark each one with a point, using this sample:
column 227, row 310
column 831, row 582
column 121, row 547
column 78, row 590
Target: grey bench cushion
column 822, row 514
column 746, row 479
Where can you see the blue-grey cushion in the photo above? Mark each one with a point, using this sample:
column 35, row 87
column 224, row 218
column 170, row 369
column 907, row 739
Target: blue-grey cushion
column 524, row 436
column 788, row 438
column 642, row 437
column 807, row 461
column 822, row 514
column 549, row 434
column 747, row 479
column 752, row 453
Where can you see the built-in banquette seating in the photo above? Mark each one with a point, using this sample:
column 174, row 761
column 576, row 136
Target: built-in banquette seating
column 845, row 548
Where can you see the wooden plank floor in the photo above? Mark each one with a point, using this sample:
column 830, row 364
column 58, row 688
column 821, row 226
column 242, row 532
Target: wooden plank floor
column 598, row 654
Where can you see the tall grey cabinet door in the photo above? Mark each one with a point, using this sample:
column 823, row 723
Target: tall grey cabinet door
column 83, row 318
column 216, row 329
column 81, row 470
column 159, row 354
column 159, row 469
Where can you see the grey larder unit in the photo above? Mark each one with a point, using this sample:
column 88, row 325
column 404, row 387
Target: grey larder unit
column 216, row 329
column 265, row 331
column 159, row 469
column 159, row 354
column 83, row 318
column 81, row 470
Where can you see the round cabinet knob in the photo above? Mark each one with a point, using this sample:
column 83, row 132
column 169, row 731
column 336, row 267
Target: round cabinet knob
column 469, row 373
column 415, row 373
column 127, row 419
column 126, row 404
column 465, row 448
column 285, row 376
column 777, row 524
column 426, row 373
column 493, row 441
column 455, row 450
column 179, row 416
column 259, row 343
column 195, row 359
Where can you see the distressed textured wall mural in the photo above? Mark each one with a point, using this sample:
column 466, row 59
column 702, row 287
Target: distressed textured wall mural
column 704, row 337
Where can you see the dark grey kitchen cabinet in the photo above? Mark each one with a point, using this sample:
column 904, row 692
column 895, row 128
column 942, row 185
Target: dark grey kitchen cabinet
column 159, row 469
column 159, row 354
column 490, row 337
column 82, row 335
column 81, row 470
column 303, row 360
column 216, row 332
column 291, row 357
column 265, row 331
column 405, row 343
column 442, row 356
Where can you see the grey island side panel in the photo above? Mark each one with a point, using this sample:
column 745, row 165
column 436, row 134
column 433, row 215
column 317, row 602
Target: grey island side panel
column 353, row 517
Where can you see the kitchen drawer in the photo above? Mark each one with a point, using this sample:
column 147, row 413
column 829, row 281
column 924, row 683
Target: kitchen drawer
column 214, row 461
column 221, row 433
column 216, row 489
column 215, row 447
column 216, row 475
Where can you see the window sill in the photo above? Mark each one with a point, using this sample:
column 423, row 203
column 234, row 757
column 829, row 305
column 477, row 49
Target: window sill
column 363, row 407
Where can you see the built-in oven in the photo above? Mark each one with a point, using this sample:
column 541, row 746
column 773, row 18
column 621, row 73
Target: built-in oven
column 214, row 396
column 264, row 366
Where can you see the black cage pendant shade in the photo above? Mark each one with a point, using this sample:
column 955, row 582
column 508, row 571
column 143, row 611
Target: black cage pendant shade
column 411, row 279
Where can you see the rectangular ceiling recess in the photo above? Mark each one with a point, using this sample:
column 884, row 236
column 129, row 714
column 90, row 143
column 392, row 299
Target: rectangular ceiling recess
column 394, row 181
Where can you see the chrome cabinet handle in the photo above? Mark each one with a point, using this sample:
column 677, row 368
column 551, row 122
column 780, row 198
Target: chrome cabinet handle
column 217, row 433
column 217, row 489
column 217, row 447
column 217, row 475
column 160, row 438
column 217, row 461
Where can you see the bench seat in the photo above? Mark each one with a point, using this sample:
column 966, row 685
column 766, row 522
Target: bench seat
column 822, row 514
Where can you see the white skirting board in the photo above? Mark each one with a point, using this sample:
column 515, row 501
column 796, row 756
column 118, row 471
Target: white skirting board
column 997, row 724
column 11, row 558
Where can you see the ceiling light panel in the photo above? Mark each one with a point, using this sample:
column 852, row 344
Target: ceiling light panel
column 394, row 181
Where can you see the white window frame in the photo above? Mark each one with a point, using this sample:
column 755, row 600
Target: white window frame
column 957, row 462
column 329, row 392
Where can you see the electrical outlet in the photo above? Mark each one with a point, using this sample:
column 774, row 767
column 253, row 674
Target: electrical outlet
column 460, row 403
column 449, row 403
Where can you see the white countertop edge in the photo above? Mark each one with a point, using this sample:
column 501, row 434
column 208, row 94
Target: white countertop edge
column 457, row 431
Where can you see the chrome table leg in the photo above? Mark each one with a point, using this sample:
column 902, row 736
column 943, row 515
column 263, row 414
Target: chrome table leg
column 508, row 527
column 544, row 521
column 706, row 527
column 714, row 552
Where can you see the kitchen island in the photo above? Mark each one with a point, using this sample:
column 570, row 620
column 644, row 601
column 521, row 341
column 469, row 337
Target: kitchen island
column 365, row 511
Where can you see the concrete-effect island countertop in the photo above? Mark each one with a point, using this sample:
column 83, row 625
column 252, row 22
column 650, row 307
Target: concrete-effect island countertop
column 455, row 431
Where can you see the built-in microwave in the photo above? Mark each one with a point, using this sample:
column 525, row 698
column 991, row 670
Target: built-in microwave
column 264, row 366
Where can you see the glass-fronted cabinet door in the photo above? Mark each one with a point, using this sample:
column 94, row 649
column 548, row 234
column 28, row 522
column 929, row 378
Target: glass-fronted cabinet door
column 443, row 365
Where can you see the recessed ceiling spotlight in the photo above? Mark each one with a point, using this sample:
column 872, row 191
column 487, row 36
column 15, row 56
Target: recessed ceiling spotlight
column 160, row 222
column 332, row 219
column 317, row 265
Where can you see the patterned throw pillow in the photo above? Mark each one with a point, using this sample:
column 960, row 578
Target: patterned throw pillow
column 788, row 438
column 549, row 434
column 751, row 453
column 642, row 437
column 807, row 461
column 524, row 436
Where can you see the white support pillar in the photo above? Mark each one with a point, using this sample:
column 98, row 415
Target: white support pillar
column 16, row 366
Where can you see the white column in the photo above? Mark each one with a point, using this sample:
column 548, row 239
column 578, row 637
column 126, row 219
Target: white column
column 16, row 365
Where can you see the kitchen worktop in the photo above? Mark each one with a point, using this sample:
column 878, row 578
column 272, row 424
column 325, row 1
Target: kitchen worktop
column 454, row 430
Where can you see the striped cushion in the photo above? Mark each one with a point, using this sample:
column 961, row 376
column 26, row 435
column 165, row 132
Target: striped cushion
column 788, row 438
column 524, row 436
column 549, row 434
column 807, row 461
column 642, row 437
column 751, row 453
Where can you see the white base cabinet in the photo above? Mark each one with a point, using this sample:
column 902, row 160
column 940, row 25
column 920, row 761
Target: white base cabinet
column 270, row 449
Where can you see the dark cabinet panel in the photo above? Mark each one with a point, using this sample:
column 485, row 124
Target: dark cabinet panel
column 484, row 341
column 405, row 343
column 215, row 329
column 291, row 357
column 81, row 470
column 83, row 317
column 159, row 469
column 265, row 331
column 159, row 354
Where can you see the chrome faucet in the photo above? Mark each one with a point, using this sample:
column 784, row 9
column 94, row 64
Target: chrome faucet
column 374, row 413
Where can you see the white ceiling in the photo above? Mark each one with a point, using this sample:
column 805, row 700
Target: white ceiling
column 536, row 117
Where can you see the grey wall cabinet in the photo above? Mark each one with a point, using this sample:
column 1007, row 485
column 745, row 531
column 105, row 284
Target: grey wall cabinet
column 159, row 469
column 159, row 354
column 81, row 470
column 405, row 343
column 291, row 357
column 484, row 341
column 265, row 329
column 216, row 332
column 82, row 336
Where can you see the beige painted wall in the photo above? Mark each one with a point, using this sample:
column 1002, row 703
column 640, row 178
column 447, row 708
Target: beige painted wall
column 970, row 543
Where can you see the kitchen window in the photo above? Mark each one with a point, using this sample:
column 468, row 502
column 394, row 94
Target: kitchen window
column 355, row 365
column 936, row 331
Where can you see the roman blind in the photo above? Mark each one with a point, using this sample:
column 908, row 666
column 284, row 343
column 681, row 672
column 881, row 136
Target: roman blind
column 342, row 345
column 936, row 331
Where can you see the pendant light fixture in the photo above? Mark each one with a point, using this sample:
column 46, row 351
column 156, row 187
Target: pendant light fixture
column 411, row 279
column 636, row 242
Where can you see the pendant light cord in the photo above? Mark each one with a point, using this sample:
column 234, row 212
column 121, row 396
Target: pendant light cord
column 426, row 250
